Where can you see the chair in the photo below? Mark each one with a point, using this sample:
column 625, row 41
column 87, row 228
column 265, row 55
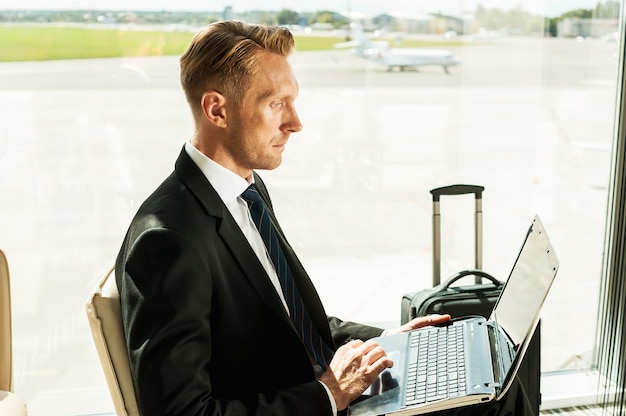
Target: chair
column 105, row 320
column 10, row 404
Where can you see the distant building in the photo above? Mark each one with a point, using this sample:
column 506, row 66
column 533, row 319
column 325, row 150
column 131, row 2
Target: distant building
column 404, row 22
column 418, row 23
column 595, row 28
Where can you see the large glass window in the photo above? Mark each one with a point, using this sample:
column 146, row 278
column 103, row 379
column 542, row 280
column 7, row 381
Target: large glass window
column 528, row 113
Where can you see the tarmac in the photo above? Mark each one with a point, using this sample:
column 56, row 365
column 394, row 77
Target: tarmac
column 82, row 144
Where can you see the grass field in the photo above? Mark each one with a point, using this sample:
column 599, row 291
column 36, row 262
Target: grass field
column 49, row 43
column 39, row 43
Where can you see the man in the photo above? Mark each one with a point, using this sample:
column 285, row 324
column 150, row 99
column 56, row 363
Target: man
column 218, row 321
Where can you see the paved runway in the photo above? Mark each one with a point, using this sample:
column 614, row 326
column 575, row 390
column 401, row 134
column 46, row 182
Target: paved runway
column 83, row 142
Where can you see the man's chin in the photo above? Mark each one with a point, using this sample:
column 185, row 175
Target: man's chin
column 270, row 165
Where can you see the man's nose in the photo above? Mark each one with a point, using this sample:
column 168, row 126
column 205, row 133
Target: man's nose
column 293, row 124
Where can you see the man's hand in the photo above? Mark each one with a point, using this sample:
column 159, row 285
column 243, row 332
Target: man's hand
column 419, row 322
column 353, row 369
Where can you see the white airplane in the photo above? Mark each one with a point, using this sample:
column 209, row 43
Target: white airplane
column 402, row 58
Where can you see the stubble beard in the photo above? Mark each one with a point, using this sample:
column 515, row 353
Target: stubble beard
column 262, row 157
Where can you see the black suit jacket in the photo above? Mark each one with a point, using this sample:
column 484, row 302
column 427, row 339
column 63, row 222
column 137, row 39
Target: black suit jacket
column 205, row 329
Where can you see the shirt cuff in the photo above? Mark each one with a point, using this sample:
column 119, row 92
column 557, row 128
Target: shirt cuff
column 331, row 398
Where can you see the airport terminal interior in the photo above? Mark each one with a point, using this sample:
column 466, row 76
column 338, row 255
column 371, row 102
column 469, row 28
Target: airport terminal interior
column 523, row 98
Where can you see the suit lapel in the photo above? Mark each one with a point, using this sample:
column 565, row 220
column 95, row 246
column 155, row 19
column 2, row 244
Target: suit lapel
column 230, row 233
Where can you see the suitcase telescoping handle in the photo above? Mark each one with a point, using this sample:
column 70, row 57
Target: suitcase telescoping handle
column 478, row 225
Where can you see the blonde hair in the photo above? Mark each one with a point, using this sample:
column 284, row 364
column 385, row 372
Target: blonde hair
column 223, row 57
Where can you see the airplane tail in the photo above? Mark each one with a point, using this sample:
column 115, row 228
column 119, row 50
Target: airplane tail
column 361, row 43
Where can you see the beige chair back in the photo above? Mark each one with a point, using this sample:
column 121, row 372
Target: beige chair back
column 105, row 320
column 10, row 404
column 6, row 353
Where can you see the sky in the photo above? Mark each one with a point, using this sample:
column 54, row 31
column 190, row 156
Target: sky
column 549, row 8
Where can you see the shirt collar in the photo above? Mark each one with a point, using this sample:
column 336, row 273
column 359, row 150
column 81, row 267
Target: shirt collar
column 227, row 184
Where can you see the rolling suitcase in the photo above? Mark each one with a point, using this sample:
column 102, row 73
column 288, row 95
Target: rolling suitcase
column 478, row 298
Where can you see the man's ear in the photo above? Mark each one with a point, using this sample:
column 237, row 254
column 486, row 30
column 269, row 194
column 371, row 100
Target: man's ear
column 214, row 108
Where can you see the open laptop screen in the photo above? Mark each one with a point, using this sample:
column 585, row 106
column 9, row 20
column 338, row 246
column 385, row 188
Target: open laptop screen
column 518, row 309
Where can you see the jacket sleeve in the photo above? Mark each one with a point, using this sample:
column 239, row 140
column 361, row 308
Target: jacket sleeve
column 345, row 331
column 166, row 295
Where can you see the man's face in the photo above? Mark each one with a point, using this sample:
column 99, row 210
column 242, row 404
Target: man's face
column 259, row 128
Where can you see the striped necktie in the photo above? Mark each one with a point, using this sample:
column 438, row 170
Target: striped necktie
column 316, row 347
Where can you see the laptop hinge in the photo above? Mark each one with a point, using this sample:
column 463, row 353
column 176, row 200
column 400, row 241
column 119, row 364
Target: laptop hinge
column 496, row 354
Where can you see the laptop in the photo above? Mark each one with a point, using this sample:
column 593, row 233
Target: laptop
column 472, row 359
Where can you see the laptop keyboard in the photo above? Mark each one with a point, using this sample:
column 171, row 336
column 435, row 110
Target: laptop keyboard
column 437, row 365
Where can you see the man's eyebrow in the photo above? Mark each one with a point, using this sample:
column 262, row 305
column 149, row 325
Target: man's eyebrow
column 268, row 93
column 275, row 92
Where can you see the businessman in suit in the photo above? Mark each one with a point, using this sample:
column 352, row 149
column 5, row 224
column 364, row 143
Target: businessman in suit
column 216, row 322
